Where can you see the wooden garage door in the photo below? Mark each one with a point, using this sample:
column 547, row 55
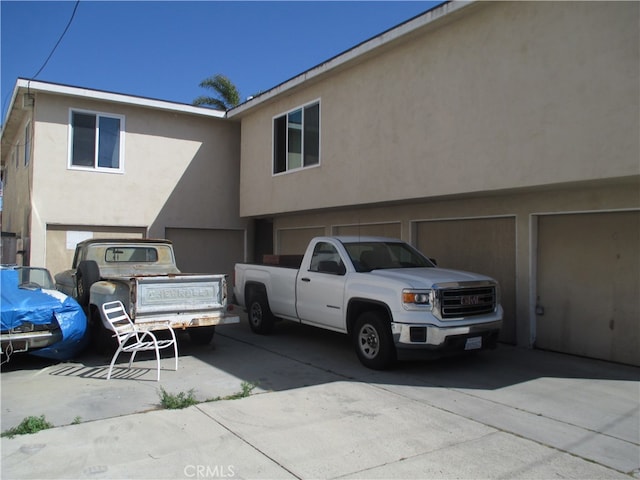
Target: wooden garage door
column 588, row 283
column 485, row 245
column 207, row 250
column 62, row 239
column 392, row 230
column 294, row 241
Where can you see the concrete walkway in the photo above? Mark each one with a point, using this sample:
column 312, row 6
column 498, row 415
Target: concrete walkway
column 317, row 413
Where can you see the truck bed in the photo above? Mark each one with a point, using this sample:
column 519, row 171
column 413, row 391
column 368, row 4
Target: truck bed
column 279, row 281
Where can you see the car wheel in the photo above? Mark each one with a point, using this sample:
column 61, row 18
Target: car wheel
column 260, row 317
column 373, row 341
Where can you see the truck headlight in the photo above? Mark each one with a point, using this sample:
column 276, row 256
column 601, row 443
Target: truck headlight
column 417, row 299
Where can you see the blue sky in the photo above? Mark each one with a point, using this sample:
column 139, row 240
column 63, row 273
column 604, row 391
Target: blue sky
column 164, row 49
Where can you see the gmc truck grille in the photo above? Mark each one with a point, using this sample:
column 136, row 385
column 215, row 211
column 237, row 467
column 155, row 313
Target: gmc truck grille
column 466, row 302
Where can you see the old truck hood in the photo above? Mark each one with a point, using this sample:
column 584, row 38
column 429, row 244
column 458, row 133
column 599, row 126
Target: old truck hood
column 426, row 277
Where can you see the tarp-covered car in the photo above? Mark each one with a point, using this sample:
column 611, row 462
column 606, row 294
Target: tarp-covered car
column 38, row 319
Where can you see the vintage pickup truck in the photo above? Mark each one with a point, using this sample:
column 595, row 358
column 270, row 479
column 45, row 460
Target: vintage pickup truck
column 391, row 299
column 143, row 275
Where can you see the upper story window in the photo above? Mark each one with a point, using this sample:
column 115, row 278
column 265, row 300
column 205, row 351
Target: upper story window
column 296, row 139
column 96, row 141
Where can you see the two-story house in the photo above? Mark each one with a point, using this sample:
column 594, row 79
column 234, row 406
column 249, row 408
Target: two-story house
column 497, row 137
column 80, row 163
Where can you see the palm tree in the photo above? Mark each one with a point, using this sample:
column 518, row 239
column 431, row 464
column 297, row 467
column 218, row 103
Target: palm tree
column 227, row 95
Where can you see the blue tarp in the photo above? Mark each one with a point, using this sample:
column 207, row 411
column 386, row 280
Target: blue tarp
column 41, row 306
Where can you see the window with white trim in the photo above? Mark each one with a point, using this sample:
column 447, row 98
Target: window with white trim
column 296, row 139
column 95, row 141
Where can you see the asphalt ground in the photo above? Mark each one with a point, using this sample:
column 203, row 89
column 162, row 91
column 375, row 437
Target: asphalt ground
column 315, row 412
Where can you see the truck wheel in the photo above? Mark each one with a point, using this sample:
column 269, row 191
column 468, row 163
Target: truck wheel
column 260, row 316
column 87, row 274
column 201, row 335
column 373, row 341
column 101, row 340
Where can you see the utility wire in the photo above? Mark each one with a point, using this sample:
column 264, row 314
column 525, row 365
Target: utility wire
column 58, row 42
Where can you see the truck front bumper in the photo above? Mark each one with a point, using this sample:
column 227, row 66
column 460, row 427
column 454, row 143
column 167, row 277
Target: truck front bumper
column 445, row 339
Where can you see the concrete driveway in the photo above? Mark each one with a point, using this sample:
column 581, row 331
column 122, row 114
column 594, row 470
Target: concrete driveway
column 317, row 413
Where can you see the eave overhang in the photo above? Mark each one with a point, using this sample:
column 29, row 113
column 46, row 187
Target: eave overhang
column 433, row 17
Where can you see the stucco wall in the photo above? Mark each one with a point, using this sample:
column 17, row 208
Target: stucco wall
column 505, row 95
column 180, row 171
column 524, row 207
column 16, row 213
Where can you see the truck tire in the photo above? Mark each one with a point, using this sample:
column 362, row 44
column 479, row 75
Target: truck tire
column 87, row 274
column 101, row 340
column 373, row 341
column 260, row 317
column 201, row 335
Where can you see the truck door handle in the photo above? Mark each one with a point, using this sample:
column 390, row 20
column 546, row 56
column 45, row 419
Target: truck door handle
column 305, row 279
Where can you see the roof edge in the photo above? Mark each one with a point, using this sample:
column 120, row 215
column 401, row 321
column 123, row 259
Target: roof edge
column 60, row 89
column 394, row 33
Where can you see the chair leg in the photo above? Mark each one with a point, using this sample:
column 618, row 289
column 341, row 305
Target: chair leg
column 158, row 361
column 133, row 355
column 175, row 353
column 113, row 361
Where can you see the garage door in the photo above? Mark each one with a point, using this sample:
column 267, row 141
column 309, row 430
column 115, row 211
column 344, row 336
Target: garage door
column 294, row 241
column 62, row 239
column 392, row 230
column 587, row 285
column 485, row 245
column 207, row 250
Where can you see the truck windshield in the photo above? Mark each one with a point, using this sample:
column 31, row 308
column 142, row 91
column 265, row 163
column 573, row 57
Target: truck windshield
column 367, row 256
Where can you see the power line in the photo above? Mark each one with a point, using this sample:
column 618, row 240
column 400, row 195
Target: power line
column 58, row 42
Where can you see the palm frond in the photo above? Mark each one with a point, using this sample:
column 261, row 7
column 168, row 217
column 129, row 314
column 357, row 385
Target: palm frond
column 210, row 102
column 227, row 93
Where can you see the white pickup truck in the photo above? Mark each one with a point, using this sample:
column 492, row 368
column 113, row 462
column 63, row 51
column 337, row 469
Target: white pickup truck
column 143, row 275
column 389, row 297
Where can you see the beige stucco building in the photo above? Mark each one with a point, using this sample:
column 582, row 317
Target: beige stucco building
column 496, row 137
column 80, row 163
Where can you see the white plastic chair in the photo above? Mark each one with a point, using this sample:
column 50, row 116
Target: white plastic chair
column 133, row 340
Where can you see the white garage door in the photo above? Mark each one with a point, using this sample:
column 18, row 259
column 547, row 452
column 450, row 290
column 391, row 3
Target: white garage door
column 393, row 230
column 483, row 245
column 588, row 285
column 294, row 241
column 207, row 250
column 62, row 239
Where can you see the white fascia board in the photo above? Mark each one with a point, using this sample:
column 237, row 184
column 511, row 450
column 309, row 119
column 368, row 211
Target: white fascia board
column 54, row 88
column 365, row 47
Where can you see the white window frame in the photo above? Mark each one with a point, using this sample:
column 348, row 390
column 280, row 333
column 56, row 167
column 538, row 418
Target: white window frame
column 95, row 167
column 273, row 132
